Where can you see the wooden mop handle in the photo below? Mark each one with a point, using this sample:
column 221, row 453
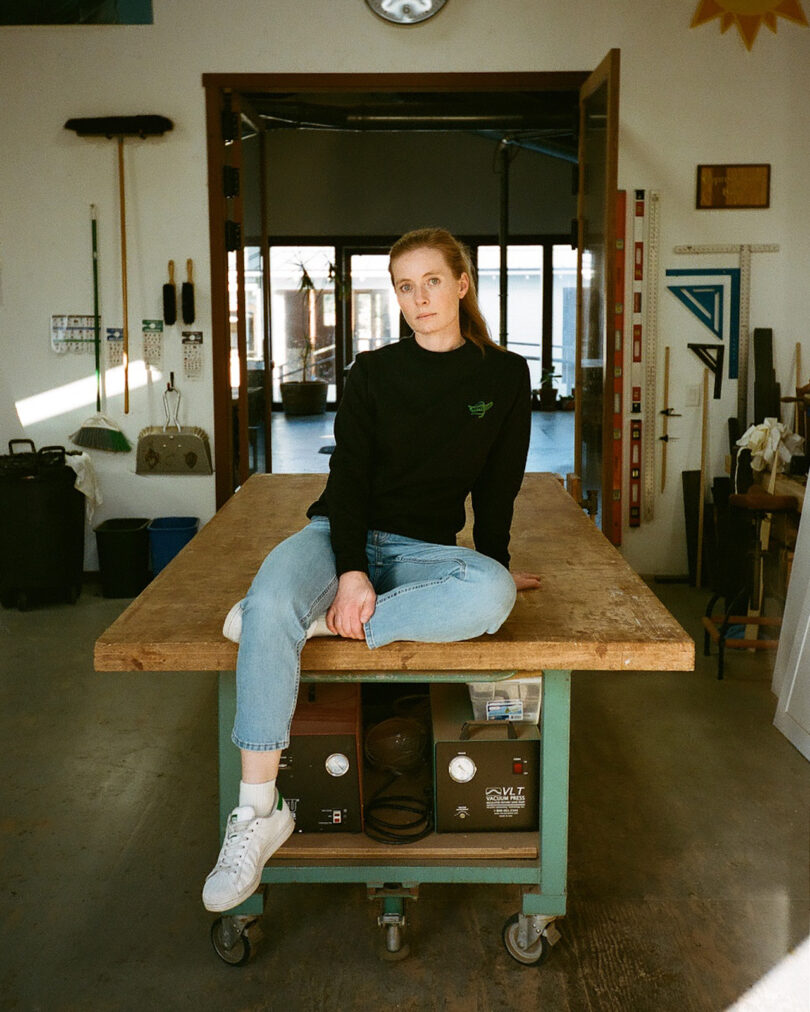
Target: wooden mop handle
column 123, row 210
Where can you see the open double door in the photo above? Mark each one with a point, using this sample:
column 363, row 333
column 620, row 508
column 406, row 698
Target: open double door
column 598, row 441
column 228, row 109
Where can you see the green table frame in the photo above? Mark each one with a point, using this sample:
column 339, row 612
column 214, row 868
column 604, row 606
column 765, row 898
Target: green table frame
column 543, row 879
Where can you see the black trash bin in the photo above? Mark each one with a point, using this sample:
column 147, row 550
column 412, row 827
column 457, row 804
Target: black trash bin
column 123, row 555
column 42, row 533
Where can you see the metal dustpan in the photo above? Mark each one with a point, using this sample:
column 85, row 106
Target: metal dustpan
column 173, row 448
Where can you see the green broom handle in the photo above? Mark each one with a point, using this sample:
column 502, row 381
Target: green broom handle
column 96, row 322
column 123, row 212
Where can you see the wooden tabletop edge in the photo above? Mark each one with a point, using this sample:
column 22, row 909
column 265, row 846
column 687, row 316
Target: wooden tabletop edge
column 221, row 656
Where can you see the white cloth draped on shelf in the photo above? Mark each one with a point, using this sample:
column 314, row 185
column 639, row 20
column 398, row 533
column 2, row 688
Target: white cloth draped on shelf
column 86, row 481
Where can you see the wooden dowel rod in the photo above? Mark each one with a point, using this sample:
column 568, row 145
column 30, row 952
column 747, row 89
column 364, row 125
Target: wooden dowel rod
column 702, row 493
column 666, row 421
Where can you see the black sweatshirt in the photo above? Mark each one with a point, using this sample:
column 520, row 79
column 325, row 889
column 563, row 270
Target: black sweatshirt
column 416, row 432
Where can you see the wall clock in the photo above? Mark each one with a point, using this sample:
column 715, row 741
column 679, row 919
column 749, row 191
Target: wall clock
column 406, row 12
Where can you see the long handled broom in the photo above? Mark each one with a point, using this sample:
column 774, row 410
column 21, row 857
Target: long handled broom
column 121, row 127
column 99, row 432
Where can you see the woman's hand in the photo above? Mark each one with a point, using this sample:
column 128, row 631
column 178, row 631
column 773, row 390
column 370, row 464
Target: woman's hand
column 354, row 604
column 526, row 581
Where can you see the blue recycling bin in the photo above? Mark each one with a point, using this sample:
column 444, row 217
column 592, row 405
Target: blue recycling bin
column 167, row 535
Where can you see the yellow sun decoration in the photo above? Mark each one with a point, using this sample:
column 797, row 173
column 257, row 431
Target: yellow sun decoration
column 748, row 15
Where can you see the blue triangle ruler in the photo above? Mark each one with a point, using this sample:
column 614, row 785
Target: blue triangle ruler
column 713, row 298
column 705, row 302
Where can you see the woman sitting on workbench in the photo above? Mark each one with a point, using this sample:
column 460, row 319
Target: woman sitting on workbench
column 421, row 424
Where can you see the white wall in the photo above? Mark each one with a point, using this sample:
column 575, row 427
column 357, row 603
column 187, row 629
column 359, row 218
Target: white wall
column 688, row 96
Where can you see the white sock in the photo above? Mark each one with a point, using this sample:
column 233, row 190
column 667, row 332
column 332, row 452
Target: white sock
column 232, row 628
column 319, row 628
column 260, row 797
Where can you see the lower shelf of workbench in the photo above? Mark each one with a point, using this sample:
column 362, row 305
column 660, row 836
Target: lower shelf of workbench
column 338, row 847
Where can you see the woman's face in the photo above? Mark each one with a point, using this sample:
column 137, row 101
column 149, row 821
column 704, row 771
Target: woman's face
column 428, row 294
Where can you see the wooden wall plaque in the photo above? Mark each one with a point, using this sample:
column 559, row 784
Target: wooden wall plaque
column 733, row 186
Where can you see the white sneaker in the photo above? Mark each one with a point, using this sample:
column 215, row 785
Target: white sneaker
column 232, row 627
column 249, row 843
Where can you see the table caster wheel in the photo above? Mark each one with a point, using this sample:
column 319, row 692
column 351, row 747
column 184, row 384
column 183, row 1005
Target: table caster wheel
column 229, row 936
column 524, row 942
column 394, row 948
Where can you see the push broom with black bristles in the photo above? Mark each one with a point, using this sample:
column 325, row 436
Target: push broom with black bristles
column 99, row 432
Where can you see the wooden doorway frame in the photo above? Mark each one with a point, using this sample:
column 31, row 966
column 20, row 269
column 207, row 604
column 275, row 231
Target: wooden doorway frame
column 223, row 94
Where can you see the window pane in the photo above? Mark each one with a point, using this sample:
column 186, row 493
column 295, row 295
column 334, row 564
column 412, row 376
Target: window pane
column 254, row 309
column 302, row 319
column 524, row 321
column 564, row 318
column 232, row 324
column 254, row 334
column 375, row 312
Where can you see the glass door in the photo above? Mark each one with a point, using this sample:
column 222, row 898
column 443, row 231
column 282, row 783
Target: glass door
column 246, row 365
column 374, row 318
column 596, row 215
column 303, row 316
column 564, row 320
column 525, row 303
column 545, row 335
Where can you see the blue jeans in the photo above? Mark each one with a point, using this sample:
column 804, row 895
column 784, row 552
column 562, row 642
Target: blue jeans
column 425, row 592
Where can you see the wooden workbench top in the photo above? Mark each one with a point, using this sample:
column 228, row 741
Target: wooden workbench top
column 591, row 613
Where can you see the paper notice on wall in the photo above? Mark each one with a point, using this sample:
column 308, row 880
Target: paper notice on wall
column 152, row 342
column 72, row 333
column 115, row 346
column 192, row 353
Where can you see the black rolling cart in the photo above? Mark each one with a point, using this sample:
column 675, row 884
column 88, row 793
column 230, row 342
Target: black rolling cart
column 42, row 528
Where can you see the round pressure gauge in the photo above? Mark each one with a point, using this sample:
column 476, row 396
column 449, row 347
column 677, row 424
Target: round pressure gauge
column 406, row 12
column 461, row 769
column 337, row 764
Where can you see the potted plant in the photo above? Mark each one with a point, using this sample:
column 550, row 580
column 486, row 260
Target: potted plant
column 545, row 398
column 307, row 395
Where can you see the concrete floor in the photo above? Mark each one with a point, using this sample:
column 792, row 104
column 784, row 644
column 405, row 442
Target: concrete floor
column 298, row 441
column 688, row 874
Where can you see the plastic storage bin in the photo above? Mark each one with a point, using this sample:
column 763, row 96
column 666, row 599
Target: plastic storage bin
column 167, row 535
column 42, row 533
column 123, row 555
column 513, row 699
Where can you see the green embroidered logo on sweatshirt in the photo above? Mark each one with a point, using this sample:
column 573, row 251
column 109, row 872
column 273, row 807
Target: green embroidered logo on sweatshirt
column 480, row 409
